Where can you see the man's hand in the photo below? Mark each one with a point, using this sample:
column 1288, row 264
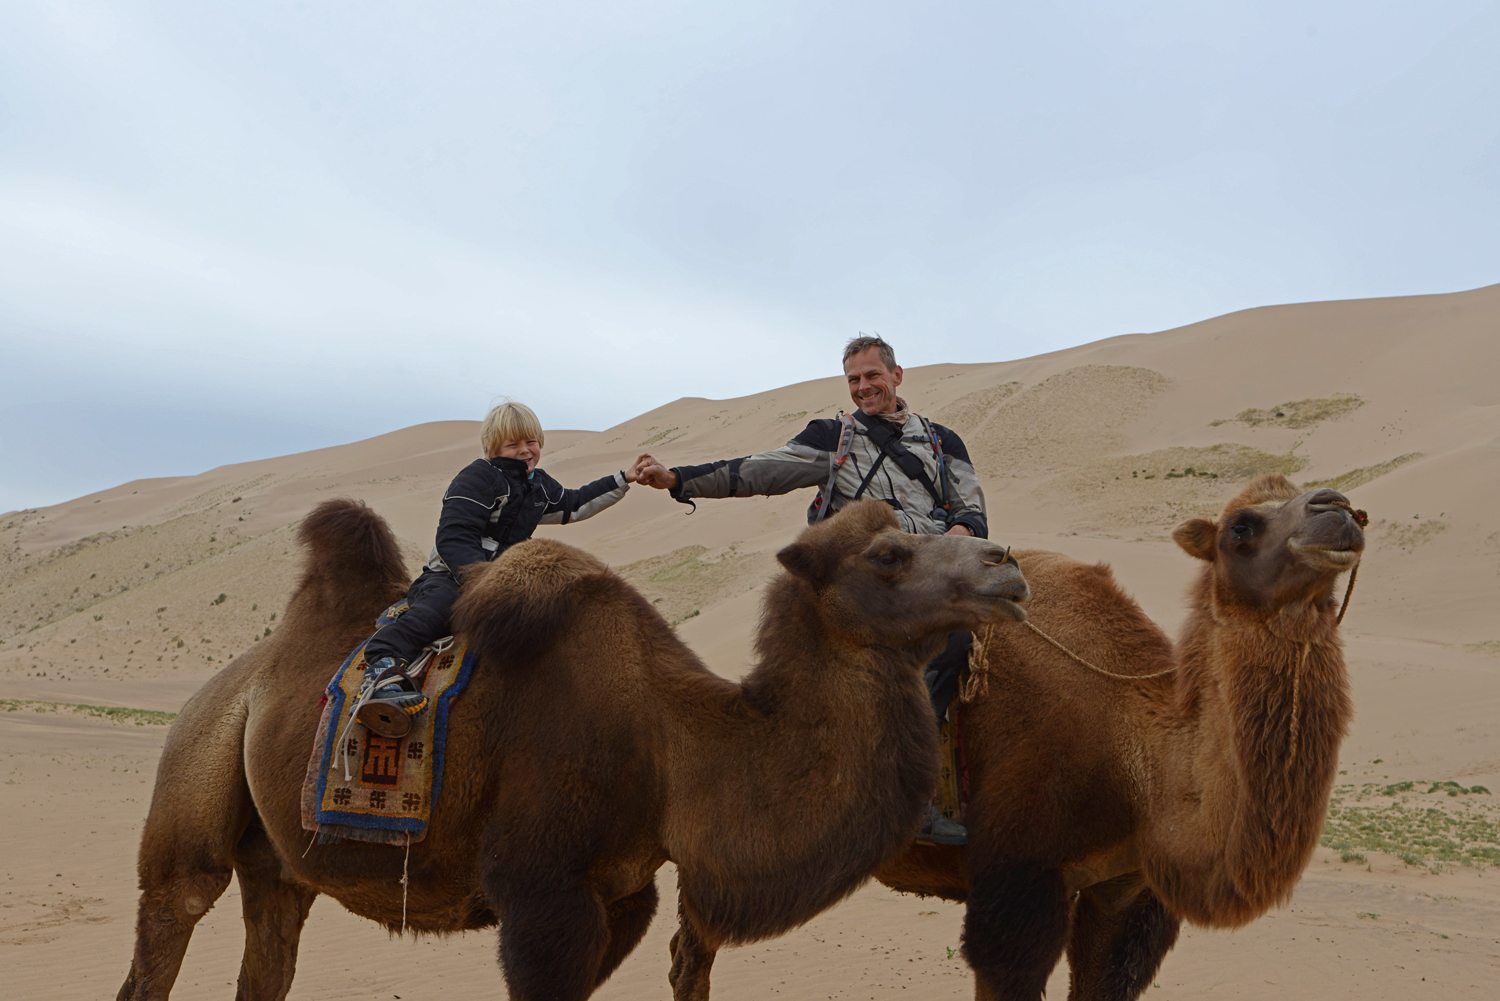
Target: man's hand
column 959, row 530
column 654, row 474
column 642, row 462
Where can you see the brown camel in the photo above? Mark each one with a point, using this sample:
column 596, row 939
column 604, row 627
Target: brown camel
column 1103, row 812
column 590, row 747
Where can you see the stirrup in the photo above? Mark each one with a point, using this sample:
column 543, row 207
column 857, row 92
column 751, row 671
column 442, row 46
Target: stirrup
column 389, row 710
column 388, row 698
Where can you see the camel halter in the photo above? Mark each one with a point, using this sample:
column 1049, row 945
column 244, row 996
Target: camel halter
column 1291, row 753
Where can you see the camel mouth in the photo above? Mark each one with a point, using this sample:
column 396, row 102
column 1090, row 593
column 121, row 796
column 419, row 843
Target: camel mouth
column 1009, row 611
column 1333, row 558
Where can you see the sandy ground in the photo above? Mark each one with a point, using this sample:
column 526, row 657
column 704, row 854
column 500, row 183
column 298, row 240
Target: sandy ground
column 134, row 596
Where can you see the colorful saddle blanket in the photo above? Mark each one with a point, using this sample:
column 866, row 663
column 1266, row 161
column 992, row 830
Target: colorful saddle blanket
column 364, row 787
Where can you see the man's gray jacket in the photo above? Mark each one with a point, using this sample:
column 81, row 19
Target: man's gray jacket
column 807, row 460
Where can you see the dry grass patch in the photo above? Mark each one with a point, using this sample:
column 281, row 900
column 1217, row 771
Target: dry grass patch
column 1297, row 413
column 1149, row 494
column 115, row 714
column 1423, row 823
column 662, row 436
column 1359, row 477
column 1224, row 461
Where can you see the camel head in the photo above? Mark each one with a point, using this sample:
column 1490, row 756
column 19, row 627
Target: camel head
column 878, row 585
column 1275, row 546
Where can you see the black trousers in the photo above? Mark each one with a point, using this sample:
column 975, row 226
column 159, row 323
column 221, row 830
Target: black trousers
column 431, row 597
column 944, row 671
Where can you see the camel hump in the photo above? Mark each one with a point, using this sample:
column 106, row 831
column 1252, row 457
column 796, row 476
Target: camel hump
column 349, row 544
column 1080, row 602
column 527, row 598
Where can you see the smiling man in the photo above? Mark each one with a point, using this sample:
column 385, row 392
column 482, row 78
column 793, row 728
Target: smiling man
column 882, row 450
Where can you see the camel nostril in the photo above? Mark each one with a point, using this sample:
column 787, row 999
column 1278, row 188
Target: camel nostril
column 1326, row 497
column 996, row 556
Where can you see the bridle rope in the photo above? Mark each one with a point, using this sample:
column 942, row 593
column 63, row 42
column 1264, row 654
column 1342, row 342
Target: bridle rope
column 977, row 684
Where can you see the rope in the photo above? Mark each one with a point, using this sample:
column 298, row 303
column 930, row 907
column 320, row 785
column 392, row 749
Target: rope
column 1291, row 755
column 1094, row 667
column 367, row 691
column 977, row 684
column 405, row 883
column 1348, row 593
column 978, row 681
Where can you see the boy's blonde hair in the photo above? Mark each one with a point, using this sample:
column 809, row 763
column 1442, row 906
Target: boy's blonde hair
column 510, row 421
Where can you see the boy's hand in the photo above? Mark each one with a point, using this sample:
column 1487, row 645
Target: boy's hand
column 642, row 462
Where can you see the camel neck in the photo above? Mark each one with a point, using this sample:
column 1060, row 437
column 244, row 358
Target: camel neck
column 1266, row 715
column 820, row 775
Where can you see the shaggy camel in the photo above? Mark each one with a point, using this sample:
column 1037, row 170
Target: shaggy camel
column 1105, row 811
column 590, row 747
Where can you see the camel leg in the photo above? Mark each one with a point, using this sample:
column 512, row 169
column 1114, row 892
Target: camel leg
column 173, row 898
column 628, row 919
column 198, row 810
column 274, row 914
column 553, row 942
column 1120, row 934
column 692, row 959
column 1014, row 930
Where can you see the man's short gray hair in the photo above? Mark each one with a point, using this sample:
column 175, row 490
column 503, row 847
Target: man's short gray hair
column 862, row 343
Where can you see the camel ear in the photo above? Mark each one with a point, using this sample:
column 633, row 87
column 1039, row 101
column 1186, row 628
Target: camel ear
column 805, row 561
column 1197, row 538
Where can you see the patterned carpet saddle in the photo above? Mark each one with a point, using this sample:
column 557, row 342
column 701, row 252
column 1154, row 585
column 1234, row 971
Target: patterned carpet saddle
column 363, row 787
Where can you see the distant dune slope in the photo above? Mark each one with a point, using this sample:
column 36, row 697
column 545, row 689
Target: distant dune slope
column 1396, row 400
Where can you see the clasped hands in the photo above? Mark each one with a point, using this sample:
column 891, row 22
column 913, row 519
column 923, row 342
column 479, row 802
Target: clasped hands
column 648, row 471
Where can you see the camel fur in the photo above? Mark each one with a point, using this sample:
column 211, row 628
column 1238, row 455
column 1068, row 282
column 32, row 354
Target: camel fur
column 591, row 747
column 1103, row 812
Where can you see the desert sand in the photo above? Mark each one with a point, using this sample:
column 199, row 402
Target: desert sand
column 133, row 596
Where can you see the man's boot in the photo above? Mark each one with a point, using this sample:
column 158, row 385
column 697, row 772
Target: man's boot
column 393, row 701
column 940, row 830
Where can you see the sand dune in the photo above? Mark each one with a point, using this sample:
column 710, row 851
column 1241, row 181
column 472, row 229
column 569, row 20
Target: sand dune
column 135, row 595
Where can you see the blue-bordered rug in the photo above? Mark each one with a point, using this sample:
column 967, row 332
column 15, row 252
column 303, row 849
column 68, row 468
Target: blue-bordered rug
column 371, row 788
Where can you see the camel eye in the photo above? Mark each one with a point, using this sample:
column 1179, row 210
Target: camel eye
column 892, row 556
column 1244, row 528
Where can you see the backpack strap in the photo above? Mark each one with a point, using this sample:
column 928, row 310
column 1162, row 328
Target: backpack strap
column 942, row 460
column 888, row 439
column 824, row 500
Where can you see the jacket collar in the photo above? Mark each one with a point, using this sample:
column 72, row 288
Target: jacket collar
column 514, row 469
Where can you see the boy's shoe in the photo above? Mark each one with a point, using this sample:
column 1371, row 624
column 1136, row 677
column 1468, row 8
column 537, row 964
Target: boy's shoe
column 939, row 830
column 393, row 700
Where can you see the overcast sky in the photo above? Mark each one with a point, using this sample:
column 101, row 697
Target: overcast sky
column 233, row 231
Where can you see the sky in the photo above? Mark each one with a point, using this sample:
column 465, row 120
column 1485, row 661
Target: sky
column 236, row 231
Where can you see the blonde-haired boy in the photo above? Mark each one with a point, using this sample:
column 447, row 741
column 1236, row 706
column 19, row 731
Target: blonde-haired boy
column 493, row 503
